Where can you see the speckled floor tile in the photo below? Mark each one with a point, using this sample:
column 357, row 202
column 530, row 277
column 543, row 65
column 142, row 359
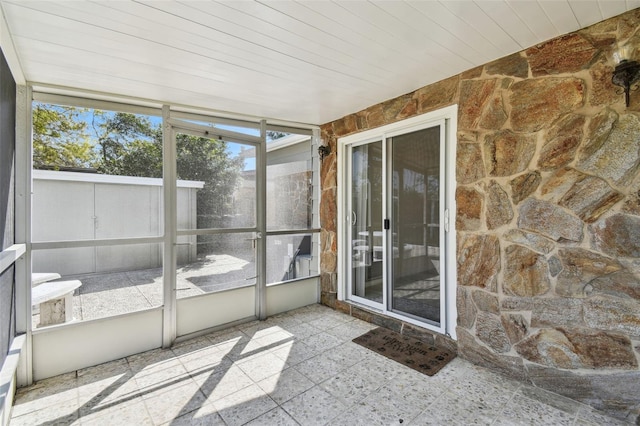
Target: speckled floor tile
column 329, row 321
column 379, row 368
column 322, row 341
column 351, row 330
column 192, row 346
column 351, row 387
column 284, row 319
column 263, row 366
column 275, row 417
column 274, row 340
column 233, row 344
column 286, row 385
column 224, row 337
column 61, row 413
column 379, row 410
column 529, row 411
column 314, row 407
column 222, row 382
column 175, row 375
column 259, row 329
column 107, row 392
column 294, row 352
column 207, row 415
column 111, row 381
column 150, row 361
column 319, row 368
column 362, row 414
column 483, row 391
column 243, row 406
column 166, row 406
column 101, row 371
column 451, row 409
column 243, row 349
column 310, row 315
column 409, row 392
column 298, row 368
column 348, row 353
column 302, row 330
column 198, row 359
column 133, row 412
column 46, row 393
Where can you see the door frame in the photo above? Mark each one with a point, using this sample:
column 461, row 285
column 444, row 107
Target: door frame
column 448, row 115
column 172, row 128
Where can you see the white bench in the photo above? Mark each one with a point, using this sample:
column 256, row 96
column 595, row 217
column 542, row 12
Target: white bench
column 42, row 277
column 56, row 301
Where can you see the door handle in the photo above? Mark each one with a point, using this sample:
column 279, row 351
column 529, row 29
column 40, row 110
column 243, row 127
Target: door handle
column 256, row 236
column 446, row 220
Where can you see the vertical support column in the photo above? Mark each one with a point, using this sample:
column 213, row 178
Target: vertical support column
column 261, row 241
column 450, row 268
column 315, row 206
column 23, row 166
column 169, row 318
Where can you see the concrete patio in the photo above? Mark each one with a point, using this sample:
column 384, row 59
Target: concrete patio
column 113, row 293
column 296, row 368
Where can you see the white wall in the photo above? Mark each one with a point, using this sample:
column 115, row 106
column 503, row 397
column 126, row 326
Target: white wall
column 83, row 206
column 61, row 349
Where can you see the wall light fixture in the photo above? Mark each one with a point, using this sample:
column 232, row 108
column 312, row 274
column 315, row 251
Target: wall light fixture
column 627, row 71
column 323, row 151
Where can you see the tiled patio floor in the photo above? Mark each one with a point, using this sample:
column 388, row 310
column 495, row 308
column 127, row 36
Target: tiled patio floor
column 295, row 368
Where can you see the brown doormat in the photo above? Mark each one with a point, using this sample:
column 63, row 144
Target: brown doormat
column 413, row 353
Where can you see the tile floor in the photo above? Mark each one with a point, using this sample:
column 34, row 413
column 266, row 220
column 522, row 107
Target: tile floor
column 297, row 368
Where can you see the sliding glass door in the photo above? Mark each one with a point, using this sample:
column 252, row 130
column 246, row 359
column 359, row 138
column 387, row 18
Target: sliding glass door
column 395, row 234
column 366, row 221
column 415, row 284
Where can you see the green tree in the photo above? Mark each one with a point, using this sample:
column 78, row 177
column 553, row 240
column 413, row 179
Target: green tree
column 208, row 160
column 60, row 138
column 119, row 132
column 273, row 135
column 131, row 145
column 199, row 159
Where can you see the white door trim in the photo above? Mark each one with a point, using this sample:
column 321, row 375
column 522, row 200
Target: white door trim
column 448, row 115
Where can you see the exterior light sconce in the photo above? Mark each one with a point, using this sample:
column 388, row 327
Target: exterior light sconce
column 627, row 71
column 323, row 151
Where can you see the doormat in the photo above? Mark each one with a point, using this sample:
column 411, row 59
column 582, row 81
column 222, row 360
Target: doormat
column 413, row 353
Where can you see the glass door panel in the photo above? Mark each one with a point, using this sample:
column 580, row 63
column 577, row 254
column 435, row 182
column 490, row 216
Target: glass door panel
column 224, row 176
column 217, row 178
column 366, row 222
column 415, row 284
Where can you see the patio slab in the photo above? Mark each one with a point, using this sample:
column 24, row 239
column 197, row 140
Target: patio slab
column 317, row 377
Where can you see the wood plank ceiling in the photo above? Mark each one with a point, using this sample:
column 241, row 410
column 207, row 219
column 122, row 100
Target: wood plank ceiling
column 308, row 61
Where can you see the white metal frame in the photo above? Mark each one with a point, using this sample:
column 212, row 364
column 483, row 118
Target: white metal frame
column 447, row 117
column 181, row 126
column 173, row 120
column 24, row 161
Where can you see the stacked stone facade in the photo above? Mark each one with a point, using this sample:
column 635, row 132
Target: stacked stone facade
column 548, row 214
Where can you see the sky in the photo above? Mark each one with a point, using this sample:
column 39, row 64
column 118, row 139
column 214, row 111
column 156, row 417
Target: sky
column 233, row 148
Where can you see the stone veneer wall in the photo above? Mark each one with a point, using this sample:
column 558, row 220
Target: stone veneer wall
column 548, row 215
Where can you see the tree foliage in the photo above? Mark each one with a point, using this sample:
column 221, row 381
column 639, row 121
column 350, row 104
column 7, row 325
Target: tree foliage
column 60, row 138
column 273, row 135
column 125, row 144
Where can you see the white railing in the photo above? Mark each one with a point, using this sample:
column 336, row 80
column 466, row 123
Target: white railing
column 8, row 257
